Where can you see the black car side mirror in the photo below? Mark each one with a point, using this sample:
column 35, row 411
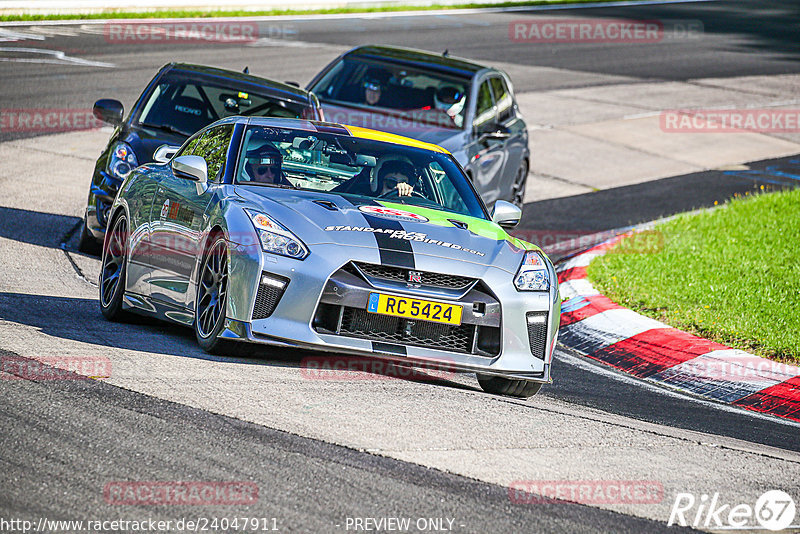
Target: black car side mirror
column 108, row 110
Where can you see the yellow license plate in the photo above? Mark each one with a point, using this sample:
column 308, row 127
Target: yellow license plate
column 424, row 310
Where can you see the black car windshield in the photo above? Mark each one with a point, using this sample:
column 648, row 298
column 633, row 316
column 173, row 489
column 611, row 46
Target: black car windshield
column 424, row 96
column 362, row 170
column 184, row 104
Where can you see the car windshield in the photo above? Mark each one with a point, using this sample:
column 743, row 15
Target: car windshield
column 424, row 96
column 184, row 105
column 361, row 170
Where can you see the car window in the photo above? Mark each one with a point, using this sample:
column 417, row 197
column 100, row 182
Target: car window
column 362, row 170
column 425, row 95
column 503, row 99
column 485, row 113
column 186, row 104
column 212, row 146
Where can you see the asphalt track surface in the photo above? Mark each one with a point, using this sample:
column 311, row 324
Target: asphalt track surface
column 62, row 440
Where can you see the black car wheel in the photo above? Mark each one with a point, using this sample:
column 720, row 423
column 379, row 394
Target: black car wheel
column 520, row 181
column 87, row 243
column 113, row 272
column 505, row 386
column 212, row 296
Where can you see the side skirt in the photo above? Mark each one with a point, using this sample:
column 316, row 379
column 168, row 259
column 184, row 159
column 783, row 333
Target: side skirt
column 153, row 308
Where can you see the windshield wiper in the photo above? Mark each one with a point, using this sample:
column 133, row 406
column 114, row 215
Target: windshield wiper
column 165, row 128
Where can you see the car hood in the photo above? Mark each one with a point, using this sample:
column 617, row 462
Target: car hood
column 389, row 227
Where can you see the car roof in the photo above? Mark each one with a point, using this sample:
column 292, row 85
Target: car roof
column 274, row 88
column 340, row 129
column 418, row 58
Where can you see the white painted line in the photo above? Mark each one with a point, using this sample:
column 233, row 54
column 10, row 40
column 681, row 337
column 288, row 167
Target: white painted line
column 9, row 35
column 612, row 326
column 582, row 260
column 286, row 43
column 575, row 288
column 374, row 15
column 53, row 57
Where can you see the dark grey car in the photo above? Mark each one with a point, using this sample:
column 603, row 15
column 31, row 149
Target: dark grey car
column 467, row 108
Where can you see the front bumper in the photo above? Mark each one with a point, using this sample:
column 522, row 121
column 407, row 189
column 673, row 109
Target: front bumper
column 325, row 278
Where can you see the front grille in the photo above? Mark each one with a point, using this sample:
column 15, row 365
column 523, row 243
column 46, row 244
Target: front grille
column 268, row 296
column 342, row 312
column 398, row 274
column 537, row 333
column 360, row 323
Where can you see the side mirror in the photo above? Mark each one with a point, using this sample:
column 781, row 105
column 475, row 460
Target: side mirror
column 191, row 167
column 108, row 110
column 164, row 153
column 506, row 214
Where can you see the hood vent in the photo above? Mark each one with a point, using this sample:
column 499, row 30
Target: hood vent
column 327, row 204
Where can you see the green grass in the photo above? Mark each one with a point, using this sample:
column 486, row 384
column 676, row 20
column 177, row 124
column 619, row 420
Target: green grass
column 731, row 275
column 114, row 14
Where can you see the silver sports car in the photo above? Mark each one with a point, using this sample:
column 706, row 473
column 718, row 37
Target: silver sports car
column 297, row 233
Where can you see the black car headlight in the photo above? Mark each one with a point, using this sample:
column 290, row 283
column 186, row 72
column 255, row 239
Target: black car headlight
column 121, row 161
column 533, row 274
column 275, row 238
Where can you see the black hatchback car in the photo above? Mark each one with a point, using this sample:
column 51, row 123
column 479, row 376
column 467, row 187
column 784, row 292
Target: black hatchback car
column 180, row 100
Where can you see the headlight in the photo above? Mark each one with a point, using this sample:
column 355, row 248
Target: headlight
column 533, row 274
column 275, row 238
column 122, row 161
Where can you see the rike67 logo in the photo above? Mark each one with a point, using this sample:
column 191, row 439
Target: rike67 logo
column 775, row 510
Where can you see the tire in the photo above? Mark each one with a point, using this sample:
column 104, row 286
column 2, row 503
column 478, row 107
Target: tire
column 518, row 189
column 211, row 304
column 113, row 270
column 505, row 386
column 87, row 243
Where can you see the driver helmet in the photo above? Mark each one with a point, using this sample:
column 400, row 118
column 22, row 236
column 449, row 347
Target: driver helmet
column 450, row 100
column 263, row 163
column 375, row 81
